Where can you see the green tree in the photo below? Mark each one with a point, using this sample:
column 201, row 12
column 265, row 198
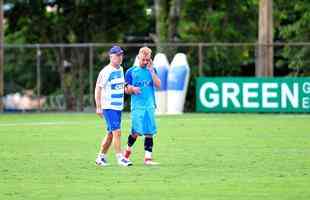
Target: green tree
column 74, row 22
column 292, row 25
column 167, row 18
column 221, row 21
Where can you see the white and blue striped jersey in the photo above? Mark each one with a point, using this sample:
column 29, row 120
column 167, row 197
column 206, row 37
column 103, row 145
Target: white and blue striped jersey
column 111, row 81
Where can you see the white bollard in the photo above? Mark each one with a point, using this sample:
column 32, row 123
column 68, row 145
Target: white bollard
column 177, row 82
column 161, row 65
column 136, row 63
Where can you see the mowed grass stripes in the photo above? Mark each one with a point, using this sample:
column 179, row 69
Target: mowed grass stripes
column 202, row 156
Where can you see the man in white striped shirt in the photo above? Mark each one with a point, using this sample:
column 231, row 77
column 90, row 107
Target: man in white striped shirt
column 109, row 97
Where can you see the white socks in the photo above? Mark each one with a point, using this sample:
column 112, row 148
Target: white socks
column 119, row 156
column 148, row 154
column 101, row 155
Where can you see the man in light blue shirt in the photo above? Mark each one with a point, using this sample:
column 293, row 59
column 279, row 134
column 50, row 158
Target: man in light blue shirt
column 140, row 83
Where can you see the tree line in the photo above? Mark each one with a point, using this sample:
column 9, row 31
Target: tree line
column 158, row 21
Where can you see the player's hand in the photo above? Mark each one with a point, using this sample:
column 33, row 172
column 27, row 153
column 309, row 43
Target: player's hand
column 135, row 90
column 99, row 112
column 150, row 66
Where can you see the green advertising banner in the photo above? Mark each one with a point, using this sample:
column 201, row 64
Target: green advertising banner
column 253, row 95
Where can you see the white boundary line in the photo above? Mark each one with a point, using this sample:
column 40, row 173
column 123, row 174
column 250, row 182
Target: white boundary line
column 56, row 123
column 98, row 122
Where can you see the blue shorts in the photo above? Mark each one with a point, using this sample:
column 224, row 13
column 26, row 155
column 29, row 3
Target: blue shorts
column 143, row 121
column 113, row 119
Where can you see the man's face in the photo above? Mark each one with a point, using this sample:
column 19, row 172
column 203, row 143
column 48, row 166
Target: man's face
column 116, row 59
column 144, row 60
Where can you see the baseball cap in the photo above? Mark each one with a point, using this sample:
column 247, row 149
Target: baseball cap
column 116, row 50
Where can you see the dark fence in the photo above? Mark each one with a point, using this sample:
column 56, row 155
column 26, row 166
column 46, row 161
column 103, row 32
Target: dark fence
column 61, row 77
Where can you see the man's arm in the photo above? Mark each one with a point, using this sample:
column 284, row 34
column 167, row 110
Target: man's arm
column 100, row 84
column 130, row 89
column 155, row 78
column 98, row 100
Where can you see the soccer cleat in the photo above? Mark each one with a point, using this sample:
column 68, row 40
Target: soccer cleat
column 127, row 154
column 101, row 161
column 124, row 162
column 149, row 161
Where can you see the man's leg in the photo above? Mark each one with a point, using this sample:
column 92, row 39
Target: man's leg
column 131, row 140
column 117, row 142
column 117, row 145
column 136, row 129
column 151, row 130
column 106, row 142
column 105, row 145
column 148, row 147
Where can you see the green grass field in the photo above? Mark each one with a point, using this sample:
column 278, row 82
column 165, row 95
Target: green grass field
column 202, row 156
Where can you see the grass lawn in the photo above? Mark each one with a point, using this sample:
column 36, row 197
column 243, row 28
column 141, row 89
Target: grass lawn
column 202, row 156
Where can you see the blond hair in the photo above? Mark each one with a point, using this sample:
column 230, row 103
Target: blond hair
column 145, row 51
